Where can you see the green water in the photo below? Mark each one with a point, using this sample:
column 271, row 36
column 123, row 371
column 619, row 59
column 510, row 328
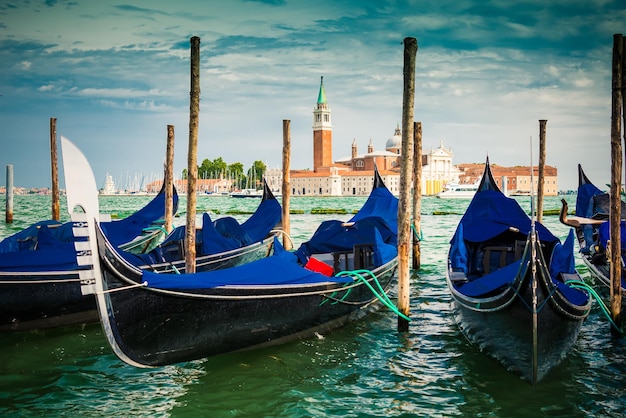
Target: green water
column 366, row 369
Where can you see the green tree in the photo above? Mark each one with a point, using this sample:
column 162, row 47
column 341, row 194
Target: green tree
column 212, row 169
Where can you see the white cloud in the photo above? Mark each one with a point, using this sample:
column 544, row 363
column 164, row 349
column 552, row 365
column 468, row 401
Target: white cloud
column 46, row 88
column 24, row 65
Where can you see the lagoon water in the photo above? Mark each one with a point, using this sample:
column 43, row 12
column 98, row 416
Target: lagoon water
column 366, row 369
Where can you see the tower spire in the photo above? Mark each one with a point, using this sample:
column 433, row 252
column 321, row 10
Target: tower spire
column 321, row 97
column 322, row 131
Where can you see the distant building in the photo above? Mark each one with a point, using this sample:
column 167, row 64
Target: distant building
column 202, row 186
column 353, row 175
column 516, row 179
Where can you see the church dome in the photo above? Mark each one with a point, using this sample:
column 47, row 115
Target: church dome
column 395, row 142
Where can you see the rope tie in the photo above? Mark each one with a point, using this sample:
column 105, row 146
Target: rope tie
column 283, row 233
column 143, row 284
column 382, row 296
column 577, row 284
column 418, row 235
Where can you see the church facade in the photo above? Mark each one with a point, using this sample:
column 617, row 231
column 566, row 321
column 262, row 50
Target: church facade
column 354, row 175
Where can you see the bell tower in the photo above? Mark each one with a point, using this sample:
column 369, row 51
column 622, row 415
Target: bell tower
column 322, row 132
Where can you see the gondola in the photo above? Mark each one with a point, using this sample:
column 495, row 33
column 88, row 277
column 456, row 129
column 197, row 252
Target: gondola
column 220, row 243
column 39, row 275
column 510, row 281
column 155, row 319
column 591, row 223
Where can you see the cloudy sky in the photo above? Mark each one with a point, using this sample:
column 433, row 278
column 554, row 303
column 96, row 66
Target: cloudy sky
column 115, row 73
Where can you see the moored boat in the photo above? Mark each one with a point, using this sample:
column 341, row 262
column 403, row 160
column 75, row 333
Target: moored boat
column 458, row 191
column 39, row 275
column 511, row 281
column 591, row 223
column 220, row 243
column 153, row 319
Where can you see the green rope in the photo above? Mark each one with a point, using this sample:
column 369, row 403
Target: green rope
column 382, row 296
column 154, row 228
column 417, row 234
column 577, row 284
column 380, row 287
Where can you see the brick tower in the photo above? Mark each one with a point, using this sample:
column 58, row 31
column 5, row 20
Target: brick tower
column 322, row 132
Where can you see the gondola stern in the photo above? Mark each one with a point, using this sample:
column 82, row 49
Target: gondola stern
column 82, row 192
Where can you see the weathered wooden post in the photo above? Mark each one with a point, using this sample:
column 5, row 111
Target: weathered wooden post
column 616, row 183
column 9, row 192
column 541, row 168
column 56, row 208
column 286, row 187
column 168, row 180
column 417, row 194
column 404, row 209
column 192, row 157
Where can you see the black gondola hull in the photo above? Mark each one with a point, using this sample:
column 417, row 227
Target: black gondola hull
column 513, row 285
column 38, row 300
column 155, row 327
column 506, row 333
column 43, row 300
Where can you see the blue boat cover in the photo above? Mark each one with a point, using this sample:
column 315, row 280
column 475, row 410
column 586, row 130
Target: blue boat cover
column 127, row 229
column 492, row 281
column 490, row 213
column 264, row 219
column 584, row 200
column 226, row 233
column 604, row 234
column 223, row 234
column 374, row 224
column 26, row 239
column 49, row 245
column 378, row 217
column 562, row 260
column 280, row 269
column 592, row 202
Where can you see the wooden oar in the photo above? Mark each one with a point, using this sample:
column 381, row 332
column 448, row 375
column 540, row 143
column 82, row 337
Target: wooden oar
column 576, row 221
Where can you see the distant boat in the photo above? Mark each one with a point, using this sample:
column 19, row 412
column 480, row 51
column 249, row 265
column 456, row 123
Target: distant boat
column 247, row 193
column 458, row 191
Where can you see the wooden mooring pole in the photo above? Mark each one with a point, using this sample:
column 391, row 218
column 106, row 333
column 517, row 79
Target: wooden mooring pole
column 616, row 183
column 404, row 208
column 54, row 164
column 417, row 194
column 192, row 157
column 541, row 168
column 9, row 192
column 286, row 186
column 168, row 180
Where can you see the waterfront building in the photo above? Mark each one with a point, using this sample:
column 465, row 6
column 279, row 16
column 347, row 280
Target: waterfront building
column 353, row 175
column 516, row 180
